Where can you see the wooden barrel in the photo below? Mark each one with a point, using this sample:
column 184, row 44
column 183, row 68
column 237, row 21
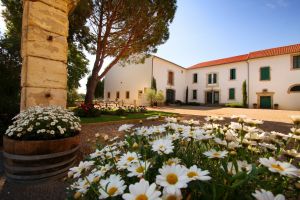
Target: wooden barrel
column 34, row 161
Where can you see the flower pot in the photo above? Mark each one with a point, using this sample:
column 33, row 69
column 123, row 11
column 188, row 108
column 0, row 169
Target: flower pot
column 276, row 106
column 32, row 161
column 255, row 105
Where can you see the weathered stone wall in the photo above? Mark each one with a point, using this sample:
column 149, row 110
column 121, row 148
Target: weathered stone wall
column 44, row 52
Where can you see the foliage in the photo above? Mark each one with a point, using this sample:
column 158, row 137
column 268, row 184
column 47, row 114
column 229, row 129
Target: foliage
column 234, row 105
column 244, row 90
column 187, row 95
column 155, row 97
column 44, row 123
column 124, row 29
column 99, row 91
column 87, row 110
column 189, row 161
column 72, row 97
column 193, row 104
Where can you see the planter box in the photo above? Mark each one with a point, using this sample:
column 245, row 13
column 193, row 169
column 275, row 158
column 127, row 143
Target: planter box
column 31, row 161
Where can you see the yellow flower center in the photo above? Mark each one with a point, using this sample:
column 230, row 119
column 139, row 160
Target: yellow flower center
column 277, row 167
column 130, row 158
column 172, row 179
column 112, row 191
column 170, row 162
column 141, row 197
column 216, row 154
column 172, row 197
column 140, row 169
column 192, row 174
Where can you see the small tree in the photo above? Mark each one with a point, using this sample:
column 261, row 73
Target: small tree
column 151, row 96
column 159, row 97
column 153, row 84
column 187, row 95
column 244, row 88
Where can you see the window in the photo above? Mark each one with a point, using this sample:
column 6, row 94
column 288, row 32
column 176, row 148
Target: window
column 127, row 94
column 212, row 78
column 195, row 78
column 171, row 78
column 265, row 73
column 295, row 88
column 194, row 94
column 232, row 74
column 108, row 95
column 296, row 62
column 118, row 95
column 140, row 93
column 231, row 93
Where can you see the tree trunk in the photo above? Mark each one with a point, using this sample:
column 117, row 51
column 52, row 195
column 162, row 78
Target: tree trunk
column 90, row 91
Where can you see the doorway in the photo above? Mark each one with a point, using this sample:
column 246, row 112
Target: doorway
column 212, row 97
column 170, row 96
column 265, row 102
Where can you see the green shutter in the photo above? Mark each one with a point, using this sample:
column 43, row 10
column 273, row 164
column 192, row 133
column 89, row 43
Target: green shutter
column 231, row 93
column 265, row 73
column 232, row 74
column 215, row 78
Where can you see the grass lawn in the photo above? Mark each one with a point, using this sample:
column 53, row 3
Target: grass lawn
column 108, row 118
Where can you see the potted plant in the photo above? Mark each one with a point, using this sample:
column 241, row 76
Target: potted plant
column 255, row 105
column 41, row 143
column 276, row 106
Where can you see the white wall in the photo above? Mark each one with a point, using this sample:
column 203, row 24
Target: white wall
column 282, row 77
column 132, row 78
column 161, row 69
column 223, row 83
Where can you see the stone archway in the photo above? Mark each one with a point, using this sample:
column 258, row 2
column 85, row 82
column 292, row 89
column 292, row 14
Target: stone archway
column 44, row 52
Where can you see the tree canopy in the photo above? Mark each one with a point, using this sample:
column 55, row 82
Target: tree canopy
column 125, row 28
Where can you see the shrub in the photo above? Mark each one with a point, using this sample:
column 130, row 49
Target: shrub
column 234, row 105
column 120, row 111
column 193, row 104
column 87, row 110
column 44, row 123
column 237, row 160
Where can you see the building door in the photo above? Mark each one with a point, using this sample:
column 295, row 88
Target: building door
column 209, row 97
column 212, row 97
column 170, row 96
column 265, row 102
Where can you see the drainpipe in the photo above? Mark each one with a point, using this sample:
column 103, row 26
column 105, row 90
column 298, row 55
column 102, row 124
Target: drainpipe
column 248, row 85
column 151, row 72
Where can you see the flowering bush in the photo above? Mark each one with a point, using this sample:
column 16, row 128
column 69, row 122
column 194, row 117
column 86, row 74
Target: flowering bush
column 44, row 123
column 192, row 161
column 87, row 110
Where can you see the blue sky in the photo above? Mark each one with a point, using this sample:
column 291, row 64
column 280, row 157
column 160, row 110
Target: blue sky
column 210, row 29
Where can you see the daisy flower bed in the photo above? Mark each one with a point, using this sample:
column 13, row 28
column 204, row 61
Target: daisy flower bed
column 189, row 160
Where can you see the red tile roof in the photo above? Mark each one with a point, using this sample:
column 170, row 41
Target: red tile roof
column 255, row 54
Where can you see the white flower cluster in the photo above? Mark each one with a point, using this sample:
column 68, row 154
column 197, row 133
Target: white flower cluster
column 44, row 123
column 177, row 161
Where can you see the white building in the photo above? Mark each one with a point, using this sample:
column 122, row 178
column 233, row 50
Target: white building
column 272, row 77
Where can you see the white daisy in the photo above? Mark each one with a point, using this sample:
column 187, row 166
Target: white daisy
column 125, row 127
column 172, row 178
column 76, row 171
column 215, row 154
column 127, row 159
column 111, row 187
column 138, row 169
column 284, row 168
column 163, row 146
column 169, row 196
column 195, row 173
column 142, row 191
column 267, row 195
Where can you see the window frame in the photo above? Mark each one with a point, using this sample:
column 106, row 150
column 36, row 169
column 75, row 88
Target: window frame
column 171, row 81
column 117, row 95
column 195, row 78
column 127, row 94
column 194, row 94
column 260, row 73
column 230, row 77
column 292, row 62
column 213, row 76
column 108, row 95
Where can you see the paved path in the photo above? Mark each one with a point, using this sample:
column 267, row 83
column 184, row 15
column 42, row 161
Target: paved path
column 261, row 114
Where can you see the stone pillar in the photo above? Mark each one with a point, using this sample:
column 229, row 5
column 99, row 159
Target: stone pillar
column 44, row 52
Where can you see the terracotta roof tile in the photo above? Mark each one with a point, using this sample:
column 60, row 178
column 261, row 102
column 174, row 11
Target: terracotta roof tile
column 255, row 54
